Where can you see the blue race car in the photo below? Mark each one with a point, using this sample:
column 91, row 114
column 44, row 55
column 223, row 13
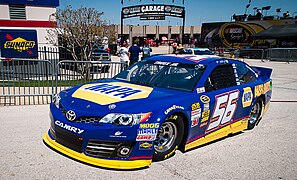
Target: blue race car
column 153, row 108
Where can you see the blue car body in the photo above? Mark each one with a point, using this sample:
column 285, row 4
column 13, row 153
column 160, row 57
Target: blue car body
column 205, row 118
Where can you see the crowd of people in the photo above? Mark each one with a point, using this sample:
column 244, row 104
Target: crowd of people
column 130, row 54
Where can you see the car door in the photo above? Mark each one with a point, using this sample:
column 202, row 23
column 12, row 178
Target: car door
column 221, row 98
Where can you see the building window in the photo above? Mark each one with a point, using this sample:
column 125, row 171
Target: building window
column 17, row 12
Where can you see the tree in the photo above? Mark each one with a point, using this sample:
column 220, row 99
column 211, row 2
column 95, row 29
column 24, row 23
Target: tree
column 78, row 32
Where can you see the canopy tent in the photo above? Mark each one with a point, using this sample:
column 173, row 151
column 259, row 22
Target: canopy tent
column 277, row 32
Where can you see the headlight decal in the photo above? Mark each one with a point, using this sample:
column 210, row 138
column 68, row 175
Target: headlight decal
column 125, row 119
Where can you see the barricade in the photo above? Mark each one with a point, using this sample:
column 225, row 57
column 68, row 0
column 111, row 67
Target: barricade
column 252, row 54
column 31, row 81
column 282, row 54
column 25, row 81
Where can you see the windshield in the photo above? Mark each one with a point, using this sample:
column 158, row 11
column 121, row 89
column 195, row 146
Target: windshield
column 198, row 52
column 163, row 74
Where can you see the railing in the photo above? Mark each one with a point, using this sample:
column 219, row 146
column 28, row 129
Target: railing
column 31, row 81
column 282, row 54
column 25, row 81
column 252, row 54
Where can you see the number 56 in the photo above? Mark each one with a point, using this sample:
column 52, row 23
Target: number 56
column 224, row 110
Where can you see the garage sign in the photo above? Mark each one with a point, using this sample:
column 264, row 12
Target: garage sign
column 153, row 10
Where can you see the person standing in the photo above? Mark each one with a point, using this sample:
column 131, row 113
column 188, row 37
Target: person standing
column 124, row 54
column 146, row 50
column 134, row 53
column 174, row 46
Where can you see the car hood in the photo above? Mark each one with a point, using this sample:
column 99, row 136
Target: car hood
column 115, row 96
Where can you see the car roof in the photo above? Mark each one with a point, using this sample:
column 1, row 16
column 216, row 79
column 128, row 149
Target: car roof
column 199, row 49
column 186, row 58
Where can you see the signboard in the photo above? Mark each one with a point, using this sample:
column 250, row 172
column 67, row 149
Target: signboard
column 18, row 43
column 153, row 10
column 145, row 17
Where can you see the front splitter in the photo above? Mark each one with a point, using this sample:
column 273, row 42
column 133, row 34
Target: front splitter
column 111, row 164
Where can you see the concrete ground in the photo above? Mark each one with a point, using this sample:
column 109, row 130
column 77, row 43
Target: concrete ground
column 267, row 152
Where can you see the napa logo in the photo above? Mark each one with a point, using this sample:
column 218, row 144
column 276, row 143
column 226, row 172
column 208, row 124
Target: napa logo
column 247, row 97
column 19, row 44
column 108, row 93
column 113, row 90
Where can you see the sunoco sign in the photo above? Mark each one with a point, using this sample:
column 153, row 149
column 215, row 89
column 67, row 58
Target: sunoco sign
column 18, row 43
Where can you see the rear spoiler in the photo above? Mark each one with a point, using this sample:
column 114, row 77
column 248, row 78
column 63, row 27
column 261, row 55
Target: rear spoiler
column 261, row 71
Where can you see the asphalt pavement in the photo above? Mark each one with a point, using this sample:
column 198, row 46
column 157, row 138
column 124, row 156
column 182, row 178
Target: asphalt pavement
column 267, row 152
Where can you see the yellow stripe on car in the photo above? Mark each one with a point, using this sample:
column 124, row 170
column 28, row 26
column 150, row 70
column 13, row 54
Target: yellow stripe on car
column 113, row 164
column 223, row 132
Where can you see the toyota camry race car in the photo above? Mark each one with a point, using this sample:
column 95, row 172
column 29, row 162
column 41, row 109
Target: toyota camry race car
column 155, row 107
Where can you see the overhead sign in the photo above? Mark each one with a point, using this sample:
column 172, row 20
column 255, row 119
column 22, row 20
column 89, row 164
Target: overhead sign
column 153, row 10
column 145, row 17
column 18, row 43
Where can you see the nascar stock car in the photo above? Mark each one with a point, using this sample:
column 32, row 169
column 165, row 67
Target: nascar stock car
column 155, row 107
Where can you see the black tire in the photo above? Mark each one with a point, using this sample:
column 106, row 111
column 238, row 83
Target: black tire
column 255, row 114
column 169, row 137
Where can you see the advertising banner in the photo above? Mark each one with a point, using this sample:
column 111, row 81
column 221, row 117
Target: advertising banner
column 18, row 43
column 153, row 10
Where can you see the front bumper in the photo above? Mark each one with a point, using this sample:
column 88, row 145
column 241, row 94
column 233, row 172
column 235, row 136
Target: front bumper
column 112, row 164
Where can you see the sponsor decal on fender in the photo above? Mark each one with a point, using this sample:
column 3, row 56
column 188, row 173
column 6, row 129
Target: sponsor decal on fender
column 200, row 90
column 145, row 138
column 108, row 93
column 195, row 115
column 196, row 106
column 145, row 146
column 247, row 97
column 262, row 89
column 204, row 99
column 174, row 107
column 68, row 127
column 118, row 134
column 205, row 116
column 149, row 126
column 147, row 131
column 259, row 90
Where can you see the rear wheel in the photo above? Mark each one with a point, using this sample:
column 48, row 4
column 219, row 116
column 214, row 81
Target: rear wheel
column 255, row 114
column 168, row 138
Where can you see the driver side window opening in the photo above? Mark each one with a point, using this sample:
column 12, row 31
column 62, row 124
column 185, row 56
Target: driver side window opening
column 221, row 77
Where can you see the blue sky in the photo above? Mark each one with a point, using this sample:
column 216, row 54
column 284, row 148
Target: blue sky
column 197, row 11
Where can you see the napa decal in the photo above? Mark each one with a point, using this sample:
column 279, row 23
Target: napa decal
column 247, row 97
column 108, row 93
column 18, row 43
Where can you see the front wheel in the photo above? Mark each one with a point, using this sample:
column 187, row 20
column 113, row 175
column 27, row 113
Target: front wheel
column 168, row 138
column 255, row 114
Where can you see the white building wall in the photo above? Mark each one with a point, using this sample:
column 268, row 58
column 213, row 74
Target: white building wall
column 4, row 12
column 39, row 13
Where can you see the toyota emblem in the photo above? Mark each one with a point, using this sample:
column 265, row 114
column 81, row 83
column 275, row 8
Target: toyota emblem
column 70, row 115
